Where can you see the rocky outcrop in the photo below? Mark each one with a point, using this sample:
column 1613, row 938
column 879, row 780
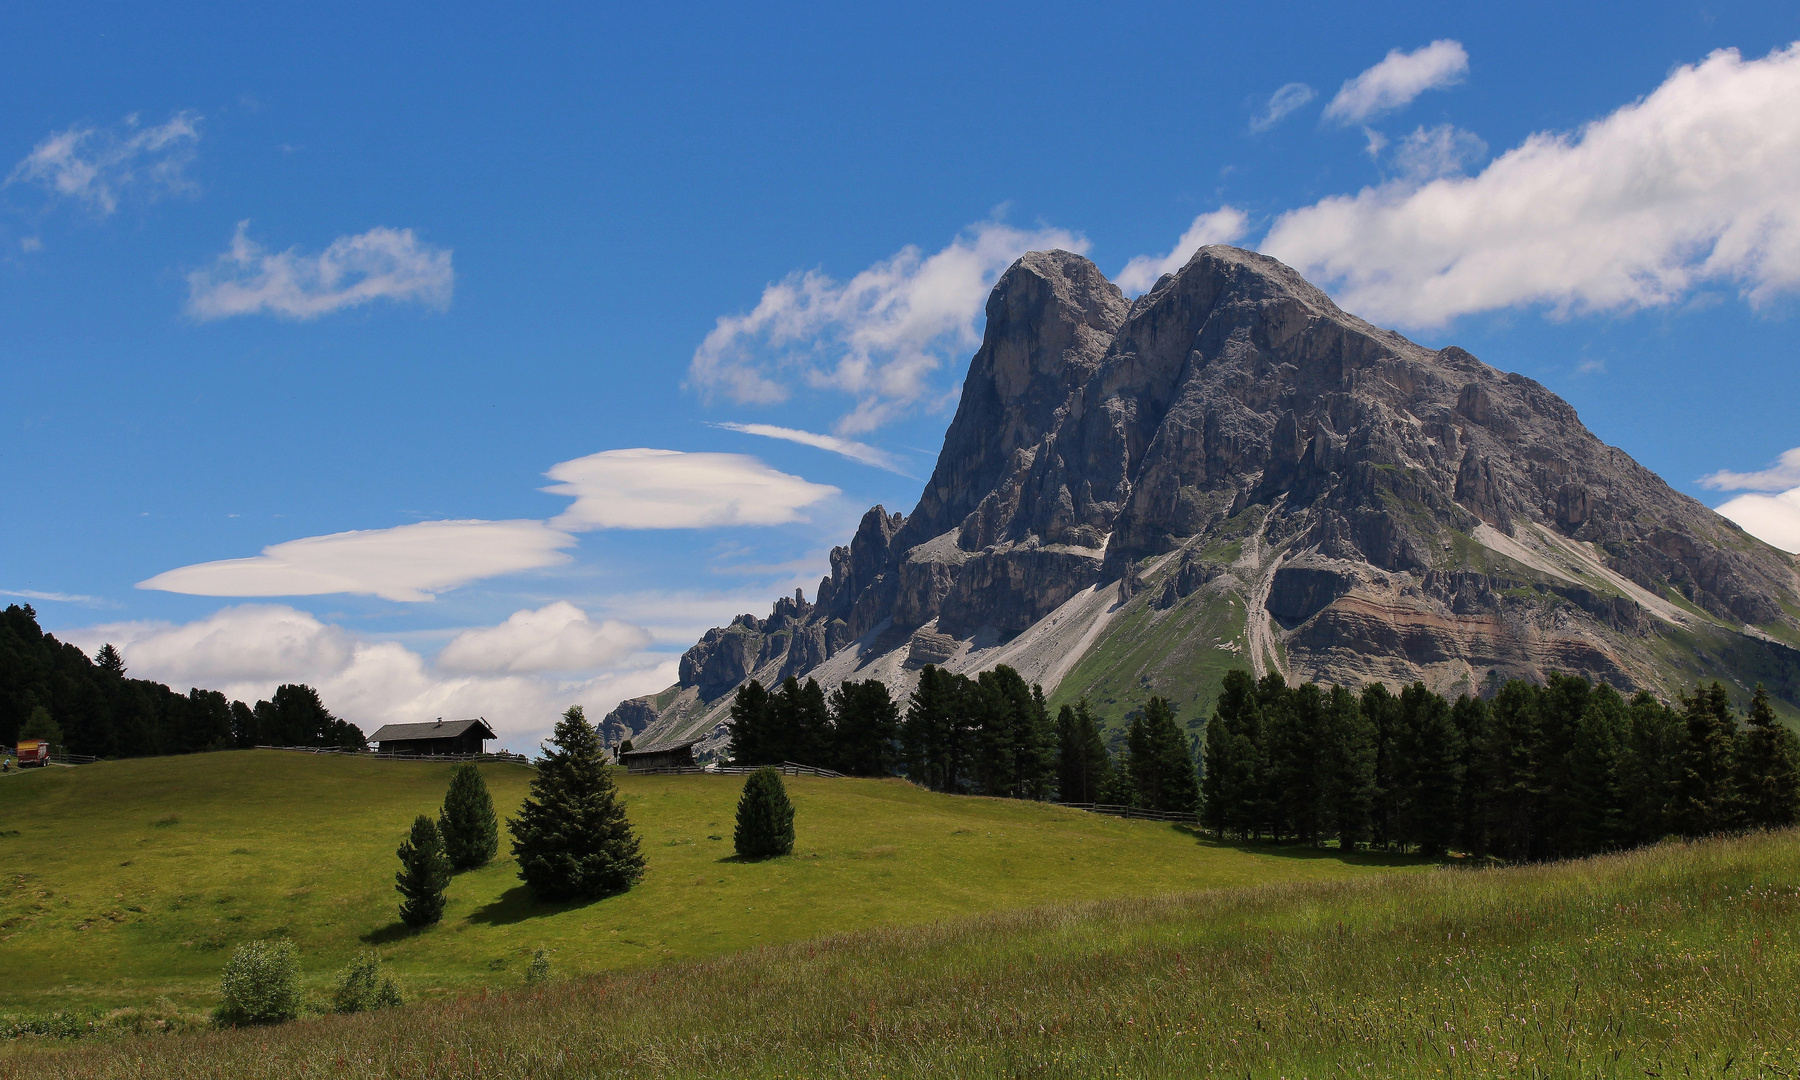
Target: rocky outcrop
column 1233, row 454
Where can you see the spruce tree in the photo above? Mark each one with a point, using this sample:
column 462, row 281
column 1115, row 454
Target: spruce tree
column 1509, row 762
column 1431, row 771
column 1470, row 715
column 1347, row 768
column 1018, row 743
column 1382, row 711
column 571, row 838
column 750, row 725
column 765, row 817
column 1597, row 800
column 1768, row 780
column 936, row 736
column 1649, row 768
column 1232, row 748
column 467, row 822
column 1162, row 770
column 1083, row 764
column 1704, row 796
column 865, row 725
column 424, row 874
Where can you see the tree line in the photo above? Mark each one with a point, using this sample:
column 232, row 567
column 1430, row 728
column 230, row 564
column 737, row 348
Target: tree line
column 51, row 689
column 1548, row 771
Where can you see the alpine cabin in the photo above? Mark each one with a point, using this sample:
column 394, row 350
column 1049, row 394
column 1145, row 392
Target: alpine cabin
column 442, row 737
column 676, row 756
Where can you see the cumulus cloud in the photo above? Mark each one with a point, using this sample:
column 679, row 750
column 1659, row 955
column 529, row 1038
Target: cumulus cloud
column 381, row 264
column 879, row 337
column 1445, row 150
column 556, row 637
column 1225, row 225
column 248, row 650
column 1281, row 103
column 1397, row 80
column 405, row 563
column 1693, row 183
column 1774, row 519
column 98, row 167
column 855, row 451
column 668, row 489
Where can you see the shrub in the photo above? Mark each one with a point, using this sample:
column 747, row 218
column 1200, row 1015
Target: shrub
column 261, row 984
column 765, row 817
column 470, row 829
column 571, row 837
column 361, row 986
column 424, row 875
column 538, row 971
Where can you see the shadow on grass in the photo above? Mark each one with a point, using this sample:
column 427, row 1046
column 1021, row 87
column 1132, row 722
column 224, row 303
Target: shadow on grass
column 387, row 935
column 1306, row 851
column 516, row 905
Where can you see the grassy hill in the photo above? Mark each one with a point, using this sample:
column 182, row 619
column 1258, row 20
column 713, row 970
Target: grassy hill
column 1678, row 960
column 130, row 881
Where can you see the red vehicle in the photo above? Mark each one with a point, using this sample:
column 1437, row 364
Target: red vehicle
column 34, row 752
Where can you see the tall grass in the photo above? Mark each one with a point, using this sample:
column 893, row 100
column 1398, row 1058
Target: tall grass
column 1673, row 961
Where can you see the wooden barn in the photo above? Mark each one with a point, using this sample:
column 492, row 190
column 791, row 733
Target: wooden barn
column 674, row 756
column 441, row 737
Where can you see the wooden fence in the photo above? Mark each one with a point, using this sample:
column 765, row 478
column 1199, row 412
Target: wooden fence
column 786, row 768
column 517, row 759
column 1133, row 812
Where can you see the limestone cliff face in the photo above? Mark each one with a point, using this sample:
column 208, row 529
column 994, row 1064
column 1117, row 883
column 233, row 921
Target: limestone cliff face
column 1249, row 475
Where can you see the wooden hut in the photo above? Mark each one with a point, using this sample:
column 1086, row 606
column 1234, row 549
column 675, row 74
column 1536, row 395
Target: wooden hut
column 674, row 756
column 441, row 737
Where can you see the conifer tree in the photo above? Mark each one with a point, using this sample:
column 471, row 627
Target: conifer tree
column 1557, row 815
column 1704, row 799
column 750, row 735
column 1382, row 711
column 1509, row 762
column 571, row 838
column 864, row 726
column 1768, row 780
column 1347, row 768
column 1597, row 798
column 1295, row 764
column 765, row 817
column 1470, row 715
column 1431, row 770
column 1162, row 770
column 1083, row 764
column 1018, row 743
column 470, row 829
column 1232, row 745
column 933, row 739
column 1273, row 702
column 424, row 874
column 1649, row 768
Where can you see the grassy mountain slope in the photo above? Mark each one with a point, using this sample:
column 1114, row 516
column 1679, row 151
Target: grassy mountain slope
column 129, row 881
column 1678, row 960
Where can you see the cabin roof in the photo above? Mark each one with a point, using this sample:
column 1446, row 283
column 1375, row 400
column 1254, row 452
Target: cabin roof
column 441, row 729
column 667, row 748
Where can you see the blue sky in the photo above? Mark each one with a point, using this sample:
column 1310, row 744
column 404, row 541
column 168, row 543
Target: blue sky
column 272, row 277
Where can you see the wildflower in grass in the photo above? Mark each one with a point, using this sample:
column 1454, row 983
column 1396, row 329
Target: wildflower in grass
column 470, row 829
column 571, row 837
column 765, row 817
column 261, row 984
column 424, row 874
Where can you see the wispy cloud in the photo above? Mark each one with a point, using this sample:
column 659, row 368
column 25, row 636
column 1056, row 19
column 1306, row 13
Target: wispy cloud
column 879, row 337
column 1783, row 474
column 1397, row 80
column 1444, row 150
column 381, row 264
column 1693, row 183
column 855, row 451
column 99, row 166
column 405, row 563
column 668, row 489
column 56, row 597
column 1280, row 104
column 1225, row 225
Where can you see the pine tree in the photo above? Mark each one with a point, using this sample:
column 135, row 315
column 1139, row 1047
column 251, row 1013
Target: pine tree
column 109, row 660
column 1295, row 764
column 467, row 822
column 1382, row 711
column 765, row 817
column 1470, row 715
column 864, row 726
column 1768, row 772
column 1562, row 701
column 1162, row 771
column 931, row 743
column 1273, row 702
column 1083, row 764
column 1232, row 744
column 424, row 874
column 1433, row 770
column 750, row 726
column 571, row 838
column 1018, row 743
column 1649, row 768
column 1510, row 765
column 1346, row 769
column 1704, row 799
column 1597, row 798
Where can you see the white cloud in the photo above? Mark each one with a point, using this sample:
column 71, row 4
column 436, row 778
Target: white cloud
column 1225, row 225
column 1785, row 473
column 1774, row 519
column 1397, row 80
column 556, row 637
column 1445, row 150
column 1693, row 183
column 55, row 597
column 99, row 166
column 667, row 489
column 247, row 651
column 381, row 264
column 1281, row 103
column 405, row 563
column 879, row 337
column 849, row 448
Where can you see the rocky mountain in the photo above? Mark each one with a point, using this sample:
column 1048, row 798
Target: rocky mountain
column 1135, row 496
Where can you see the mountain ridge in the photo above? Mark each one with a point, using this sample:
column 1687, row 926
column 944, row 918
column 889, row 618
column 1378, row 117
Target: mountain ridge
column 1230, row 470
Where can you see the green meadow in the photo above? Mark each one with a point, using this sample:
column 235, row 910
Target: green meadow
column 128, row 883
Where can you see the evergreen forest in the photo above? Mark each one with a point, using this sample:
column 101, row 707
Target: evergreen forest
column 51, row 689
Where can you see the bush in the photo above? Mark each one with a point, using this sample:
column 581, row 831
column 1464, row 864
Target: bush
column 261, row 984
column 765, row 817
column 424, row 875
column 571, row 837
column 470, row 829
column 538, row 971
column 362, row 987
